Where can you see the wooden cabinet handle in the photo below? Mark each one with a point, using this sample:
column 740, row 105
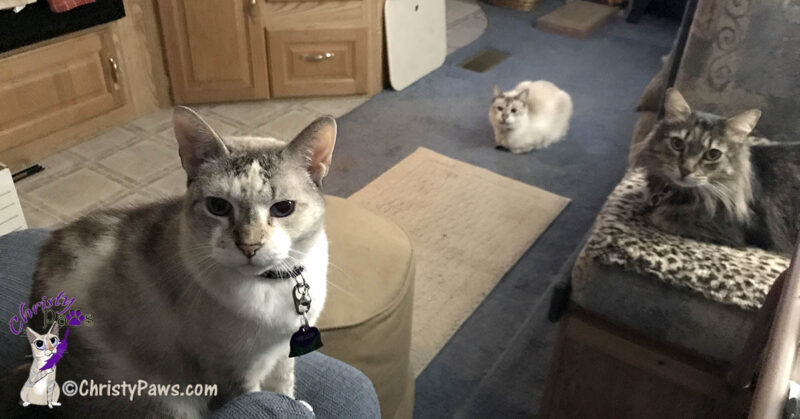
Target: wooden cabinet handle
column 252, row 5
column 315, row 58
column 114, row 69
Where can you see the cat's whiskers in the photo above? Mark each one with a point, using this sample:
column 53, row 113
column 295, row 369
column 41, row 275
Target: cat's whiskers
column 731, row 198
column 331, row 283
column 202, row 265
column 331, row 264
column 205, row 266
column 285, row 267
column 195, row 286
column 191, row 257
column 176, row 266
column 288, row 268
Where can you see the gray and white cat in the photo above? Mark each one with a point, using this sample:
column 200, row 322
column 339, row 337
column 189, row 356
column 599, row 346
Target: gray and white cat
column 533, row 115
column 177, row 289
column 711, row 180
column 41, row 387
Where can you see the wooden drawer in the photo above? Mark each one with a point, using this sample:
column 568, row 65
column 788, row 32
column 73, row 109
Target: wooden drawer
column 316, row 62
column 54, row 87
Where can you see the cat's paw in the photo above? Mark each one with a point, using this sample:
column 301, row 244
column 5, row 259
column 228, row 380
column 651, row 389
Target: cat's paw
column 25, row 404
column 75, row 318
column 306, row 405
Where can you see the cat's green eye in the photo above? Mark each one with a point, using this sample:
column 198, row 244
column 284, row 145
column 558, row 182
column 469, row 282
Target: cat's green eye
column 713, row 154
column 677, row 143
column 218, row 206
column 282, row 209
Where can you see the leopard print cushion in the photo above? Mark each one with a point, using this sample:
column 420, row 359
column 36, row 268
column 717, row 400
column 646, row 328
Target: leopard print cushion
column 622, row 237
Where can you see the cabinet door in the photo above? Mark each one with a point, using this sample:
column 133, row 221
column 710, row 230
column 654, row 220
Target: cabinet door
column 51, row 88
column 215, row 50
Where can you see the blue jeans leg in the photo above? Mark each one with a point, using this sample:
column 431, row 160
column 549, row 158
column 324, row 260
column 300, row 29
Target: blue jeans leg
column 333, row 388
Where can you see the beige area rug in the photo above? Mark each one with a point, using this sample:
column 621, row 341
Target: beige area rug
column 468, row 227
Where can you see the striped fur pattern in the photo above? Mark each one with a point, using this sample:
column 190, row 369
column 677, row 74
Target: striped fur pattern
column 174, row 286
column 624, row 237
column 719, row 182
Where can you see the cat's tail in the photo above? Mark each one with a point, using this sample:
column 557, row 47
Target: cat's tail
column 565, row 110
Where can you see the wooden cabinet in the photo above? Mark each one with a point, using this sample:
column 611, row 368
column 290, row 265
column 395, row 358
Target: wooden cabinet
column 215, row 50
column 599, row 370
column 49, row 89
column 61, row 91
column 226, row 50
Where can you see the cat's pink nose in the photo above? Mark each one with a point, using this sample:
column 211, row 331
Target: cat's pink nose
column 249, row 250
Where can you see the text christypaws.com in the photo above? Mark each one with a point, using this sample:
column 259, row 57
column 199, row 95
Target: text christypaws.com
column 89, row 388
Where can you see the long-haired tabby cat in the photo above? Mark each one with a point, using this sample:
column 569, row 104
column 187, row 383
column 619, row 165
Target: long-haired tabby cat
column 533, row 115
column 184, row 291
column 711, row 180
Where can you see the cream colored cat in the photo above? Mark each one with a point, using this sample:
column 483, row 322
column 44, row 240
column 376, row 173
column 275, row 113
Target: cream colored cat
column 533, row 115
column 41, row 387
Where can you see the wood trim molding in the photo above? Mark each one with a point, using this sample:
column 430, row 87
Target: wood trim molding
column 780, row 355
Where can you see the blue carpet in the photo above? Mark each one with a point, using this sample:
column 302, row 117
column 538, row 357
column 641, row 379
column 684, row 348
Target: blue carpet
column 495, row 364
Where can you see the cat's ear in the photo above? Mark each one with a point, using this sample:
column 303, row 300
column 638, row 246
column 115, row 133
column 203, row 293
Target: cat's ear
column 743, row 124
column 496, row 92
column 197, row 141
column 32, row 336
column 676, row 109
column 523, row 95
column 53, row 329
column 314, row 145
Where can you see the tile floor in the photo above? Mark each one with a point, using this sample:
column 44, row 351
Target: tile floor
column 138, row 161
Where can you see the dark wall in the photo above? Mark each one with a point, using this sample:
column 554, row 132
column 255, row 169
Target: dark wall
column 37, row 23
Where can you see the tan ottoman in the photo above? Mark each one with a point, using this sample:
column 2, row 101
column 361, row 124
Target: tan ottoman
column 367, row 317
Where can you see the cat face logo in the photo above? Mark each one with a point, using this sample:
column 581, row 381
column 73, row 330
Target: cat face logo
column 47, row 349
